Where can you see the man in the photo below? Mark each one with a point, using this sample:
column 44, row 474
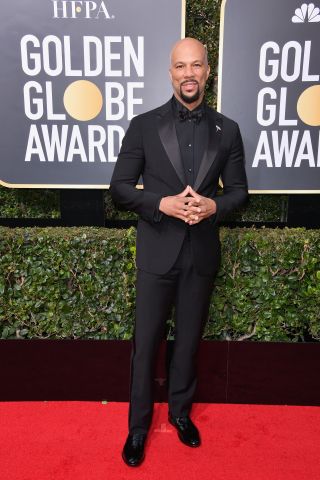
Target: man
column 180, row 149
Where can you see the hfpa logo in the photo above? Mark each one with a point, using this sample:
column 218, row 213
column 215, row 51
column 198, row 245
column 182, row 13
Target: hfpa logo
column 80, row 9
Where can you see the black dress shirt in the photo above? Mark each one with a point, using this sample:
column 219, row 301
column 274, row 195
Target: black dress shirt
column 192, row 134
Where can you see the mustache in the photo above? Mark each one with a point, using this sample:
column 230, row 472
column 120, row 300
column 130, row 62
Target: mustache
column 189, row 81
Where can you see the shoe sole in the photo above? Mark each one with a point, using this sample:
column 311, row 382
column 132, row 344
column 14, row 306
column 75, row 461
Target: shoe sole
column 181, row 438
column 132, row 464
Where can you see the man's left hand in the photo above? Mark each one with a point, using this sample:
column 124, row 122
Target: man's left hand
column 199, row 208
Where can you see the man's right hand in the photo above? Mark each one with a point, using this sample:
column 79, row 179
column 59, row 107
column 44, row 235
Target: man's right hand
column 176, row 205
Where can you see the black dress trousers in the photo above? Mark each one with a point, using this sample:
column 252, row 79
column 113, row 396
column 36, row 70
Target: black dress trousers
column 189, row 292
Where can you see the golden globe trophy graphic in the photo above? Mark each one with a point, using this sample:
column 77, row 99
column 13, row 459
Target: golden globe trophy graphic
column 308, row 106
column 83, row 100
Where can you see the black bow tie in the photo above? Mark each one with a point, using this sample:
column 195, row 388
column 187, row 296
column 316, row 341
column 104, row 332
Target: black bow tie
column 195, row 116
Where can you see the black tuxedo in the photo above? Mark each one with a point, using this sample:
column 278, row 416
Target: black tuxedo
column 176, row 262
column 150, row 148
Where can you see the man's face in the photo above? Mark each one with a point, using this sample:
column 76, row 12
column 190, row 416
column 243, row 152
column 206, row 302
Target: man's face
column 189, row 72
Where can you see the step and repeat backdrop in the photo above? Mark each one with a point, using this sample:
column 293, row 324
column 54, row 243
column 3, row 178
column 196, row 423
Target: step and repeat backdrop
column 269, row 75
column 73, row 75
column 75, row 72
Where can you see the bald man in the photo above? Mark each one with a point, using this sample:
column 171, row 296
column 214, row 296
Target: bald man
column 180, row 149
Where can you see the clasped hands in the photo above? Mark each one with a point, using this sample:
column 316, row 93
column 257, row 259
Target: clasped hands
column 188, row 206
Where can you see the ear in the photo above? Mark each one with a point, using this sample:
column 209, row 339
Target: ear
column 170, row 74
column 208, row 72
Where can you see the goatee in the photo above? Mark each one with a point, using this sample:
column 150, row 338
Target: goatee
column 191, row 99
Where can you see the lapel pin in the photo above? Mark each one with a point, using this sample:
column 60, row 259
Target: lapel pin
column 218, row 129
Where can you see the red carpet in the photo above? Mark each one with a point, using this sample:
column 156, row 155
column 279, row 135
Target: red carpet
column 83, row 441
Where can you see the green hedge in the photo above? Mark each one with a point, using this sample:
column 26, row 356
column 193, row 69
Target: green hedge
column 203, row 23
column 79, row 283
column 29, row 203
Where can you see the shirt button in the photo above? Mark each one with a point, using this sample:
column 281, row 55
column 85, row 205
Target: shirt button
column 189, row 170
column 189, row 145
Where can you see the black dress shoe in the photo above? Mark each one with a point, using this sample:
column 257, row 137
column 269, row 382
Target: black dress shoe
column 187, row 431
column 133, row 450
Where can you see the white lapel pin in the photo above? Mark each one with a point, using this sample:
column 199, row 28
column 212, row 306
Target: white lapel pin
column 218, row 129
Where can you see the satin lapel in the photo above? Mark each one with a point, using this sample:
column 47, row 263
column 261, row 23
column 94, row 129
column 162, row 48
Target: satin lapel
column 168, row 136
column 215, row 132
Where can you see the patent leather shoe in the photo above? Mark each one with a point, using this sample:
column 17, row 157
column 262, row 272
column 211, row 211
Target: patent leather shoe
column 133, row 450
column 187, row 431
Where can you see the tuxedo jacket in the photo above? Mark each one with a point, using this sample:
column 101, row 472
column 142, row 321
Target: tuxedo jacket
column 150, row 148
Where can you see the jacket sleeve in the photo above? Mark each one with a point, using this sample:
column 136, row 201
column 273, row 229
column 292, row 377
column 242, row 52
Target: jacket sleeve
column 234, row 179
column 127, row 171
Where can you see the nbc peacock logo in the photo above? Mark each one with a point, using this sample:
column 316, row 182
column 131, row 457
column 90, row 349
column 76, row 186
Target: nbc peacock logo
column 307, row 13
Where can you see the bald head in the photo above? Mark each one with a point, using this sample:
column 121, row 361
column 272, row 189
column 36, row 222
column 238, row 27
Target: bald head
column 189, row 71
column 188, row 45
